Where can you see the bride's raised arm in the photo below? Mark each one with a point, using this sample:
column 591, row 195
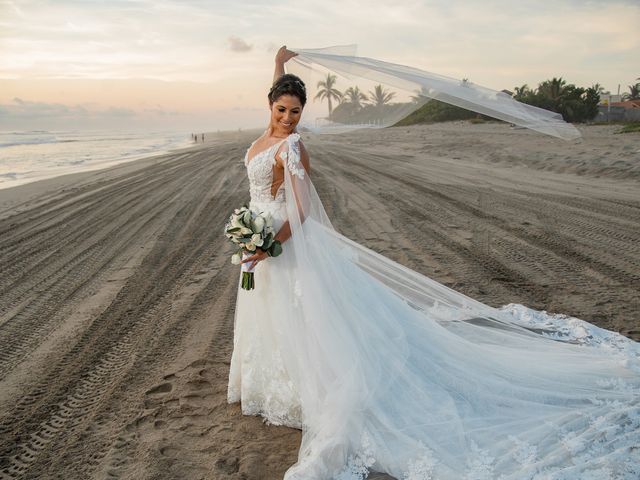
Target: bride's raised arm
column 282, row 56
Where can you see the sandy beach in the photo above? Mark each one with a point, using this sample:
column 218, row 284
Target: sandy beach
column 117, row 294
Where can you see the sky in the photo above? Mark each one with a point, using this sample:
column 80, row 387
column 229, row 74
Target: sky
column 197, row 65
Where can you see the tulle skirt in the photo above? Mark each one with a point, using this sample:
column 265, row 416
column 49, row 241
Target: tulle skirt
column 379, row 382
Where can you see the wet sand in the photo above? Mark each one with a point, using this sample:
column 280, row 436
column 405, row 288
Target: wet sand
column 117, row 294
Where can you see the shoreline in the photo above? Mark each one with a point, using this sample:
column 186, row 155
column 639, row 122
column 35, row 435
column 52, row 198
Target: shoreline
column 14, row 195
column 594, row 167
column 173, row 143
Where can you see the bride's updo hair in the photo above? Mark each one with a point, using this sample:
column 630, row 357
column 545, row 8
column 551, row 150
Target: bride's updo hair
column 288, row 84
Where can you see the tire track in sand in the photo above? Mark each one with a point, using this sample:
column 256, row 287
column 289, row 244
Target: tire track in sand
column 138, row 388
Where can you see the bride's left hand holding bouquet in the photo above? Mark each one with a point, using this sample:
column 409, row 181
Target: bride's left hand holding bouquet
column 251, row 231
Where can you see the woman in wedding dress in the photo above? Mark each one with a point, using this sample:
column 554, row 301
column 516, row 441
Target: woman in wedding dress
column 387, row 370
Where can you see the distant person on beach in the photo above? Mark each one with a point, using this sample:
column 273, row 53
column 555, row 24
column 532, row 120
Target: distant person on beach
column 203, row 138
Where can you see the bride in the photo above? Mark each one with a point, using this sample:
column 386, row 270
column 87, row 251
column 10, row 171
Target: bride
column 386, row 370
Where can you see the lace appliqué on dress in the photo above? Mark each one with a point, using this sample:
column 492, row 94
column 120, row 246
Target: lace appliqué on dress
column 292, row 156
column 480, row 464
column 358, row 465
column 269, row 391
column 260, row 173
column 421, row 468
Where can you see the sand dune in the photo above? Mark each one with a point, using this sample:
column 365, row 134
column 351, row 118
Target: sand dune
column 117, row 294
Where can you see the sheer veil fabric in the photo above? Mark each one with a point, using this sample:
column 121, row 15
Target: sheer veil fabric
column 387, row 370
column 394, row 91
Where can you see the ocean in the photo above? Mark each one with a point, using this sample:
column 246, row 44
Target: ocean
column 35, row 155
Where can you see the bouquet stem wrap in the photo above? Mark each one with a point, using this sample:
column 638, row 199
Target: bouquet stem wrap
column 248, row 282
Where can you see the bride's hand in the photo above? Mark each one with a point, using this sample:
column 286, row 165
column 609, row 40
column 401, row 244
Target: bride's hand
column 284, row 55
column 256, row 257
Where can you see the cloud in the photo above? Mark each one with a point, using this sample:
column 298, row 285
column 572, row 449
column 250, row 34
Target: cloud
column 160, row 111
column 21, row 109
column 236, row 44
column 117, row 112
column 195, row 55
column 22, row 114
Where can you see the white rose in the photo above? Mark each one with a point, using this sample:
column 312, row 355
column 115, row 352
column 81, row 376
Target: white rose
column 250, row 246
column 257, row 240
column 236, row 259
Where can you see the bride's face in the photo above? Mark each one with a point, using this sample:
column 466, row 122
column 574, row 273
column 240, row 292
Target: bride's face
column 285, row 114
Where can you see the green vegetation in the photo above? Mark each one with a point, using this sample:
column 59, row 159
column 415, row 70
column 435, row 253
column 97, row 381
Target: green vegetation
column 634, row 92
column 436, row 111
column 328, row 91
column 630, row 128
column 379, row 96
column 354, row 96
column 356, row 107
column 576, row 104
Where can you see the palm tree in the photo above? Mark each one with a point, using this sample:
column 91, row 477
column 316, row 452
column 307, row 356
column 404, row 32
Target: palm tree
column 553, row 89
column 354, row 96
column 599, row 89
column 634, row 92
column 379, row 96
column 328, row 91
column 521, row 92
column 420, row 95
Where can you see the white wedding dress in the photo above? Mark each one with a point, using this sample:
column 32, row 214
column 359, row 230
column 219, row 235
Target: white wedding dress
column 386, row 370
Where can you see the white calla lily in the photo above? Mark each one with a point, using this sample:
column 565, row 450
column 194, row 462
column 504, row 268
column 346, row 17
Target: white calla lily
column 235, row 223
column 259, row 224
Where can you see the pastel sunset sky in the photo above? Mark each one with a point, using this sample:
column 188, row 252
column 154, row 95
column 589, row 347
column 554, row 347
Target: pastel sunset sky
column 205, row 65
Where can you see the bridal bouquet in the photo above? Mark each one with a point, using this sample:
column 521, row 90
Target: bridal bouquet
column 250, row 230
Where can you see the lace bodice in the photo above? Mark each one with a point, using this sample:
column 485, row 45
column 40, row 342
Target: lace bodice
column 260, row 169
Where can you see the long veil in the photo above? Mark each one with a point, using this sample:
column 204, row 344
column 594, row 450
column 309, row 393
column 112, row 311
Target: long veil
column 363, row 92
column 395, row 372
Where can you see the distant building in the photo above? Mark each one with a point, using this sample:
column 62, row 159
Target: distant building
column 627, row 104
column 627, row 111
column 607, row 98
